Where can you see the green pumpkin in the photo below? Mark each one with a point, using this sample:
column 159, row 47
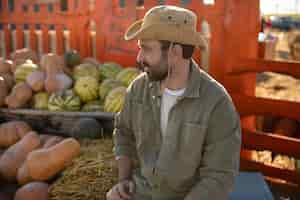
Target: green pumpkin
column 72, row 58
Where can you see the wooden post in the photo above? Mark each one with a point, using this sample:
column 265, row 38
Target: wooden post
column 45, row 38
column 19, row 36
column 8, row 39
column 32, row 37
column 241, row 43
column 59, row 39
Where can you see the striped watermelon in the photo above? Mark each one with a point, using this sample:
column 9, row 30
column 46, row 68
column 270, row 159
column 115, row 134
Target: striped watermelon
column 87, row 88
column 64, row 101
column 106, row 86
column 127, row 75
column 109, row 70
column 115, row 100
column 85, row 70
column 93, row 106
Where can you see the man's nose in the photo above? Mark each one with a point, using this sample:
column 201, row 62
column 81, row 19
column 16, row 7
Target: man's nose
column 139, row 57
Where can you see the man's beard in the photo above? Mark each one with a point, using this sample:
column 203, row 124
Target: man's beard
column 157, row 72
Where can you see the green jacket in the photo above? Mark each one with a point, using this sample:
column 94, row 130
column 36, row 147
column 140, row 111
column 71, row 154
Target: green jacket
column 199, row 156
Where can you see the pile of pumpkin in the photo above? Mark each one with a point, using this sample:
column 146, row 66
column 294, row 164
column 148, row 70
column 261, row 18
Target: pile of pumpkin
column 32, row 159
column 63, row 83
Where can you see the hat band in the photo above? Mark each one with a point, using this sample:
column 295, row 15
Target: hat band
column 172, row 33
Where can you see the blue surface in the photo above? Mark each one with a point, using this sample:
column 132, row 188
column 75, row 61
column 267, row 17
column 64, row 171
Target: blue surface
column 251, row 186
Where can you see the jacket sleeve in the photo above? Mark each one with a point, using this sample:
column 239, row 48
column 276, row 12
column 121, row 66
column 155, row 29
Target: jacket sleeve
column 220, row 161
column 124, row 140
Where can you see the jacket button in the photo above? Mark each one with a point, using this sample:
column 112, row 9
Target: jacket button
column 153, row 170
column 144, row 182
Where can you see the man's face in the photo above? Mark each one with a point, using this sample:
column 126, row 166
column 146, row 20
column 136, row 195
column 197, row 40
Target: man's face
column 152, row 60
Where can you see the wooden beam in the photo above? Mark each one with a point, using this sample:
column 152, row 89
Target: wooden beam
column 257, row 140
column 261, row 65
column 284, row 174
column 250, row 105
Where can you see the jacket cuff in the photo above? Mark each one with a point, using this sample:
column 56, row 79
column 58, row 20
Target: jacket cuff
column 124, row 151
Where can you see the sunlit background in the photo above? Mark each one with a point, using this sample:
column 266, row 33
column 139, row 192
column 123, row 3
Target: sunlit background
column 280, row 6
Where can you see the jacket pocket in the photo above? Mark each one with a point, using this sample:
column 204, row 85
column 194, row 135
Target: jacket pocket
column 141, row 120
column 191, row 144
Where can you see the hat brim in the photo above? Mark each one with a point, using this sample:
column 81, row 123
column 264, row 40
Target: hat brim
column 136, row 31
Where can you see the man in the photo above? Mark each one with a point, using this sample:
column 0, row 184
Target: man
column 177, row 121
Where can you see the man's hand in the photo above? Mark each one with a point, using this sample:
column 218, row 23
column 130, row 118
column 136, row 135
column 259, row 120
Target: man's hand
column 121, row 191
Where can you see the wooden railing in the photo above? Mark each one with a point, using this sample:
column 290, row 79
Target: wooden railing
column 253, row 106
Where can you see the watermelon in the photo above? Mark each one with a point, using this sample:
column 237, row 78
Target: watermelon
column 92, row 61
column 64, row 101
column 106, row 86
column 109, row 70
column 127, row 75
column 93, row 106
column 85, row 70
column 115, row 100
column 86, row 88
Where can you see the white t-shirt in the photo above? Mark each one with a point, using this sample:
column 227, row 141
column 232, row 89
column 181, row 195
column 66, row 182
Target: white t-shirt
column 168, row 100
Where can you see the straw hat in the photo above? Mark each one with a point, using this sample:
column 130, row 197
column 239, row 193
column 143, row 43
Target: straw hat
column 169, row 23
